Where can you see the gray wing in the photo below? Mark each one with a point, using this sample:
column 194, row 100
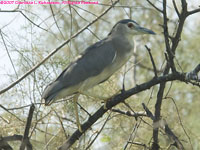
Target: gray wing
column 92, row 62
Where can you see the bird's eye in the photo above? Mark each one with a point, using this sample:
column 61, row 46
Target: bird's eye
column 130, row 25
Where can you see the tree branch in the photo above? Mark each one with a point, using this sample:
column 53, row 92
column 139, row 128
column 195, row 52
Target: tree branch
column 193, row 75
column 116, row 100
column 152, row 61
column 166, row 36
column 176, row 9
column 193, row 11
column 25, row 140
column 159, row 10
column 4, row 145
column 128, row 113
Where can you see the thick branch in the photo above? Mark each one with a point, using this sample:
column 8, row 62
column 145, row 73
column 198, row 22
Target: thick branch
column 15, row 137
column 183, row 15
column 193, row 75
column 4, row 145
column 158, row 105
column 170, row 59
column 116, row 100
column 166, row 36
column 193, row 11
column 25, row 140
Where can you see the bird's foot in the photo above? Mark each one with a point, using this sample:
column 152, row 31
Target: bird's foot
column 123, row 89
column 79, row 128
column 104, row 106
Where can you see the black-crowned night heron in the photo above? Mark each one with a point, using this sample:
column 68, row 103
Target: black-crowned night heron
column 97, row 63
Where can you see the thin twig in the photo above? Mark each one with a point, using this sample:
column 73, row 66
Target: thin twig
column 148, row 112
column 176, row 9
column 139, row 144
column 159, row 10
column 128, row 113
column 56, row 20
column 163, row 124
column 4, row 43
column 152, row 61
column 130, row 136
column 4, row 108
column 19, row 11
column 61, row 123
column 81, row 107
column 107, row 119
column 180, row 120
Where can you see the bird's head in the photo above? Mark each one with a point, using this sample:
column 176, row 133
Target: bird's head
column 128, row 27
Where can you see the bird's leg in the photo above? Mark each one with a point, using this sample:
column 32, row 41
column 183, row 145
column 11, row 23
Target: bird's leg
column 104, row 106
column 123, row 85
column 75, row 98
column 123, row 88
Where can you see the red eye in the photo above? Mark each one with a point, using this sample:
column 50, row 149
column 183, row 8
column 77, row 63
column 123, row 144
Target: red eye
column 130, row 25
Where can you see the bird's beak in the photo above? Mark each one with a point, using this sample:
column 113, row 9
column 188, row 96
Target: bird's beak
column 145, row 31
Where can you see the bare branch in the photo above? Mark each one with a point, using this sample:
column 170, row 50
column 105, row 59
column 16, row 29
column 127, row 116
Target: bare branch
column 170, row 134
column 148, row 112
column 25, row 140
column 193, row 11
column 193, row 75
column 61, row 123
column 1, row 106
column 19, row 11
column 4, row 43
column 158, row 105
column 166, row 35
column 128, row 113
column 181, row 123
column 176, row 9
column 107, row 119
column 15, row 137
column 152, row 61
column 159, row 10
column 139, row 144
column 56, row 21
column 4, row 145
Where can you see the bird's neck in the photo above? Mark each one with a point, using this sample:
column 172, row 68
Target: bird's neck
column 122, row 41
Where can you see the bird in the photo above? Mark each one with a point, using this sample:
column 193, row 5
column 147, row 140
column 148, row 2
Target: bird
column 97, row 63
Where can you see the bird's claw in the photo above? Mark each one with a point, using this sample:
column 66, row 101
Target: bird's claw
column 80, row 129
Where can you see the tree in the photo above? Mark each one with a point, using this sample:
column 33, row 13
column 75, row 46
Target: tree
column 154, row 111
